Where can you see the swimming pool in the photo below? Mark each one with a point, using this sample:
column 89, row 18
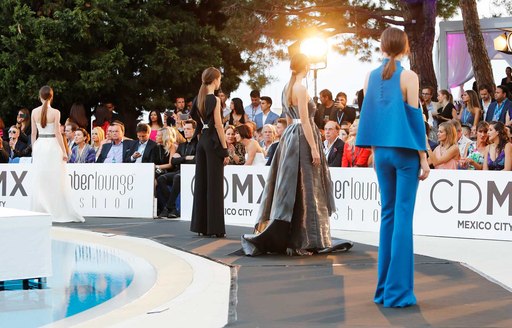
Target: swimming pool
column 84, row 276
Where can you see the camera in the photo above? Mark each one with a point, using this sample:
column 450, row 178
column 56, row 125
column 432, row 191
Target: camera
column 169, row 112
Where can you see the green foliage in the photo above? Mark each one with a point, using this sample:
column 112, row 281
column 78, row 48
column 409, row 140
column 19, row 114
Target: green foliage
column 138, row 54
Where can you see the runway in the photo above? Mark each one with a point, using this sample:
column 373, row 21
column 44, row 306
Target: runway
column 334, row 290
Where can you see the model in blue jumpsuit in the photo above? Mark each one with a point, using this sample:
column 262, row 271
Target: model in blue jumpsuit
column 396, row 132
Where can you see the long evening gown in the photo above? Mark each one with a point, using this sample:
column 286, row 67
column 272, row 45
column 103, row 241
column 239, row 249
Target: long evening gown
column 297, row 201
column 51, row 193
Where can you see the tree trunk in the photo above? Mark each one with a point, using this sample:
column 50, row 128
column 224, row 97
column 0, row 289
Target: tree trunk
column 476, row 45
column 421, row 34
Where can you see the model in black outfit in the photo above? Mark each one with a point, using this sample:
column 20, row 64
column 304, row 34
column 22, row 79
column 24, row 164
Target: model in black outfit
column 211, row 156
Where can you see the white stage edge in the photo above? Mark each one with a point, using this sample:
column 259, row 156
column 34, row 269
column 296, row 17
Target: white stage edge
column 25, row 244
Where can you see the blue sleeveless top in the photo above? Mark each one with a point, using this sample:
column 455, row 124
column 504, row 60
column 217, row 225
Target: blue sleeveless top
column 467, row 118
column 386, row 120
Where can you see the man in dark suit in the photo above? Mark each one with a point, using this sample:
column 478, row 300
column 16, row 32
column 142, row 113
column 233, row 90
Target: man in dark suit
column 281, row 125
column 498, row 110
column 118, row 150
column 16, row 148
column 333, row 146
column 266, row 116
column 142, row 150
column 341, row 111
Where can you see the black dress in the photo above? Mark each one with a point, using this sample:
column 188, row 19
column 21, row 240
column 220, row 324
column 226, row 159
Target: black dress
column 208, row 206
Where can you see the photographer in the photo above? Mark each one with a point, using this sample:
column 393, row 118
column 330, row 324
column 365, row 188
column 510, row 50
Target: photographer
column 17, row 148
column 341, row 111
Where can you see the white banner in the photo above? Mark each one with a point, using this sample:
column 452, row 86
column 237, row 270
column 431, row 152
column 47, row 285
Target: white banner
column 467, row 204
column 109, row 190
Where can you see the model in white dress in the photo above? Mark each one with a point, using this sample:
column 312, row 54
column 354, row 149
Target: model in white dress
column 51, row 192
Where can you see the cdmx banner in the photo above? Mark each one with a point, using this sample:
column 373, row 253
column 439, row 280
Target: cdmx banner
column 109, row 190
column 450, row 203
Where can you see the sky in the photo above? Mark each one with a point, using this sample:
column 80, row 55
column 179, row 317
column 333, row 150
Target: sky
column 347, row 73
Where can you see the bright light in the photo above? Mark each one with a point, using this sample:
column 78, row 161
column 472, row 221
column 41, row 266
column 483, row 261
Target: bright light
column 315, row 48
column 500, row 42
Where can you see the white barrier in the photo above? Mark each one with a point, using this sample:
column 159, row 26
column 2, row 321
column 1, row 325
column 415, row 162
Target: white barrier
column 467, row 204
column 109, row 190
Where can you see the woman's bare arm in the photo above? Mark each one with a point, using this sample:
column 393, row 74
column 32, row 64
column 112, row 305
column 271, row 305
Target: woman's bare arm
column 302, row 102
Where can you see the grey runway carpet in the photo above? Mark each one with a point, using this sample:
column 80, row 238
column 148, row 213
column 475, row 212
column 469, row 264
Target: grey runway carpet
column 332, row 290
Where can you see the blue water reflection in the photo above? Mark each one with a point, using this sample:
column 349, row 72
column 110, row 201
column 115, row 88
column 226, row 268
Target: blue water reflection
column 83, row 276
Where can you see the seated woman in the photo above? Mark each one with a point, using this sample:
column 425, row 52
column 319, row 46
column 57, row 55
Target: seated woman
column 498, row 154
column 82, row 152
column 446, row 155
column 155, row 122
column 354, row 156
column 235, row 149
column 166, row 147
column 237, row 115
column 447, row 110
column 97, row 138
column 470, row 113
column 254, row 153
column 476, row 150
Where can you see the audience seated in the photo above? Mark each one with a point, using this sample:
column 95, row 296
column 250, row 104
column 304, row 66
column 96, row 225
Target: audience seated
column 185, row 154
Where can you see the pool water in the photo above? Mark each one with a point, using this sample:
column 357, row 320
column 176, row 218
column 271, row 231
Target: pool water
column 84, row 276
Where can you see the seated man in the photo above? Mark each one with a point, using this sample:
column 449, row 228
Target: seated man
column 17, row 148
column 185, row 154
column 142, row 150
column 266, row 116
column 118, row 150
column 333, row 145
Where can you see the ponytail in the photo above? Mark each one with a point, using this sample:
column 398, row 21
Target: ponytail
column 46, row 95
column 201, row 97
column 44, row 111
column 289, row 88
column 389, row 69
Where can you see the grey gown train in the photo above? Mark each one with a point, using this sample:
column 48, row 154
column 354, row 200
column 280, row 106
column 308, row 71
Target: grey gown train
column 297, row 201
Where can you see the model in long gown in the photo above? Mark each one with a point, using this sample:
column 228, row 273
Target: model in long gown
column 51, row 193
column 297, row 201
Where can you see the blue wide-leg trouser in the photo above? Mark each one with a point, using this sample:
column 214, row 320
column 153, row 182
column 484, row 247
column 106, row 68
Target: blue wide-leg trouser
column 397, row 172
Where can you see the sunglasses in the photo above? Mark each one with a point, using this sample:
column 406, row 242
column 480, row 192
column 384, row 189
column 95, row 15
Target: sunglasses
column 12, row 131
column 426, row 94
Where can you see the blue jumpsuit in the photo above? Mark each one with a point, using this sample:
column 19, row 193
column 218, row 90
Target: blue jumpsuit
column 396, row 132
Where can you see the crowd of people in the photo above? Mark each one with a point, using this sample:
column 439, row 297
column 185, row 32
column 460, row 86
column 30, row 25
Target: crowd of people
column 473, row 134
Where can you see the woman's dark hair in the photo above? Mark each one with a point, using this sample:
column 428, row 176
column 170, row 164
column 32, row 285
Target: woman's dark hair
column 502, row 134
column 158, row 120
column 209, row 75
column 239, row 106
column 244, row 131
column 77, row 115
column 394, row 42
column 26, row 119
column 46, row 94
column 102, row 115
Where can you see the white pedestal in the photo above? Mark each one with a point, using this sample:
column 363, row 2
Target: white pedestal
column 25, row 244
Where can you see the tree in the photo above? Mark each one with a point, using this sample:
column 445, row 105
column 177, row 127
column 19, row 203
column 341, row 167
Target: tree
column 355, row 24
column 136, row 54
column 476, row 44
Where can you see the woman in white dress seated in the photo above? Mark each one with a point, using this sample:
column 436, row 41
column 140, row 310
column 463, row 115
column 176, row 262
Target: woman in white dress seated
column 254, row 154
column 52, row 192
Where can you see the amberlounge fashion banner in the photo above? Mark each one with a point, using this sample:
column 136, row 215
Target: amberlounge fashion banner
column 450, row 203
column 110, row 190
